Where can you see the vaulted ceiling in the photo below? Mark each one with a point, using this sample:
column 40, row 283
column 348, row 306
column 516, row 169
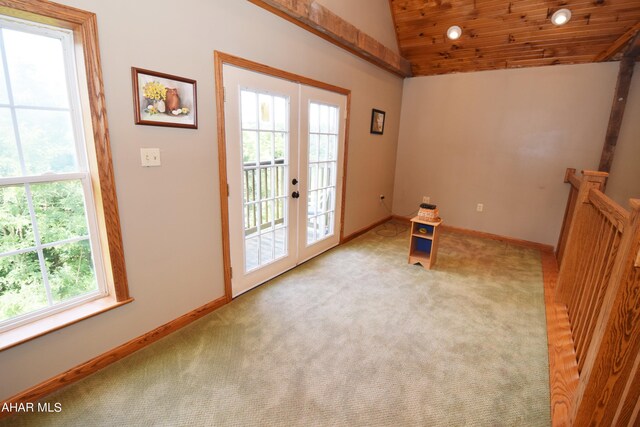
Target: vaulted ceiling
column 500, row 34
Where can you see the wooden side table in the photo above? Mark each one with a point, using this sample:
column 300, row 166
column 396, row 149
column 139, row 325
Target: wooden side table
column 423, row 242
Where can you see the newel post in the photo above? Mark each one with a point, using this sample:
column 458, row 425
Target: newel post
column 572, row 254
column 568, row 216
column 609, row 389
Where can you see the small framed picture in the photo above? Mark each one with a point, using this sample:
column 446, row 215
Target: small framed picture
column 164, row 100
column 377, row 121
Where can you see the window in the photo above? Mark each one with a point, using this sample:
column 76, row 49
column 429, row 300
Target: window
column 48, row 240
column 59, row 249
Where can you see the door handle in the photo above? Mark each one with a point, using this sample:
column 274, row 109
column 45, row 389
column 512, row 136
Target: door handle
column 294, row 181
column 295, row 194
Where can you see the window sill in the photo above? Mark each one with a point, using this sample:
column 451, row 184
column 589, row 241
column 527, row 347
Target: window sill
column 24, row 333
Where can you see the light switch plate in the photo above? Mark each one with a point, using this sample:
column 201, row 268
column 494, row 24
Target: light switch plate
column 150, row 157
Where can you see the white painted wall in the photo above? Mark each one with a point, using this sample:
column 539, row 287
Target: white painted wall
column 502, row 138
column 624, row 179
column 171, row 214
column 371, row 16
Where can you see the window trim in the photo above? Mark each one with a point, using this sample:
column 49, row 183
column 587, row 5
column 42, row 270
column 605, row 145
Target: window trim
column 83, row 24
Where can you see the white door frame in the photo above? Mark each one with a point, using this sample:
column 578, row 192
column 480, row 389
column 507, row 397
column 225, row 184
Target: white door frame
column 220, row 59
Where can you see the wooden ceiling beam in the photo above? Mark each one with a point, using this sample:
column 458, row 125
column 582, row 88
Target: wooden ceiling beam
column 618, row 44
column 617, row 112
column 319, row 20
column 633, row 50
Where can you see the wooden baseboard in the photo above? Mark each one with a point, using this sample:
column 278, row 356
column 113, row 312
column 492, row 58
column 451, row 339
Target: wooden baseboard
column 510, row 240
column 563, row 367
column 97, row 363
column 364, row 230
column 402, row 219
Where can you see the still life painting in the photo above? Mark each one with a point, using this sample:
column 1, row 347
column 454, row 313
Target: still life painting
column 163, row 99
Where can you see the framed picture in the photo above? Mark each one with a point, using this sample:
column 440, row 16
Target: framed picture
column 164, row 100
column 377, row 121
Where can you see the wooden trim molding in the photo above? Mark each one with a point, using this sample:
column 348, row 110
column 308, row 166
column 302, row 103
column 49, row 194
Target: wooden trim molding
column 220, row 59
column 363, row 230
column 102, row 361
column 317, row 19
column 225, row 58
column 402, row 219
column 345, row 163
column 510, row 240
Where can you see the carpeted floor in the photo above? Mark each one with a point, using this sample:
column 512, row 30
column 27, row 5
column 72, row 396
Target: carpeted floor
column 355, row 337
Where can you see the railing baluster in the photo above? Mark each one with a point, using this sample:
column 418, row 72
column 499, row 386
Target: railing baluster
column 572, row 257
column 587, row 284
column 599, row 287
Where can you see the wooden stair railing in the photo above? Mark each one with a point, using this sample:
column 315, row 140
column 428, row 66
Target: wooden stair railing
column 596, row 307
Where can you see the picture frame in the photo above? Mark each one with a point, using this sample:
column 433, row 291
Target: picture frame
column 162, row 99
column 377, row 121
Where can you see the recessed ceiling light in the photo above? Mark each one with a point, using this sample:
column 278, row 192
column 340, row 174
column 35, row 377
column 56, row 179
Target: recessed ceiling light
column 454, row 32
column 561, row 17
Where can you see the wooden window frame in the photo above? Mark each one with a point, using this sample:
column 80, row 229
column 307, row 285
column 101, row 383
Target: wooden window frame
column 84, row 26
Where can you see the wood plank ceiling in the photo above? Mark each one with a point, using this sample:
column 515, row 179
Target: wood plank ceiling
column 508, row 34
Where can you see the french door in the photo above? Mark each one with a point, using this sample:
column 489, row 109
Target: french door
column 284, row 148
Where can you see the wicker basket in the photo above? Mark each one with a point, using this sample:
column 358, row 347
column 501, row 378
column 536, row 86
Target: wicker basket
column 428, row 214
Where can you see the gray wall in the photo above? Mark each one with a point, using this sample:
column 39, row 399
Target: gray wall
column 504, row 138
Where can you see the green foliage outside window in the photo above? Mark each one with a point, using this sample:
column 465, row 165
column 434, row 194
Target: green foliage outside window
column 60, row 215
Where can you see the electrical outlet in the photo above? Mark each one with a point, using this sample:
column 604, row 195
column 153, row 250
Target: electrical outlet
column 480, row 207
column 150, row 157
column 426, row 199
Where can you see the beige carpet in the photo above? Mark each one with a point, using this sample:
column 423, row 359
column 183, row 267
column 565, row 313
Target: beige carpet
column 355, row 337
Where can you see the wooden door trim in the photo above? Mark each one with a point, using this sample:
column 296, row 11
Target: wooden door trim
column 220, row 59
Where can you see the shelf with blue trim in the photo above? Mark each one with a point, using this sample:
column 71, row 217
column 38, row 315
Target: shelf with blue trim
column 423, row 246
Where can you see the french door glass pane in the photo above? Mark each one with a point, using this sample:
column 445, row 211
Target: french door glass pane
column 280, row 236
column 252, row 253
column 265, row 114
column 280, row 114
column 265, row 137
column 266, row 247
column 322, row 157
column 59, row 208
column 21, row 288
column 249, row 146
column 9, row 160
column 249, row 101
column 36, row 69
column 266, row 147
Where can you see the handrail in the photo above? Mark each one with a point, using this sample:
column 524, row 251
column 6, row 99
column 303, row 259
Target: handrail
column 571, row 178
column 615, row 213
